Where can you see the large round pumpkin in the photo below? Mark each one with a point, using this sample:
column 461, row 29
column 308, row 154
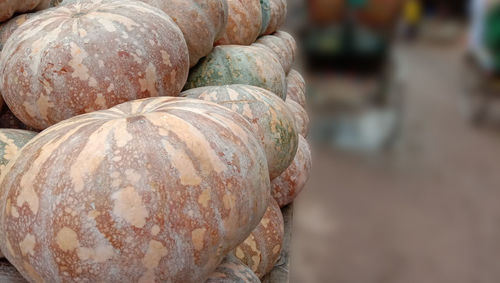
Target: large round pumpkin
column 280, row 48
column 9, row 7
column 90, row 55
column 261, row 250
column 296, row 87
column 287, row 187
column 278, row 15
column 201, row 22
column 269, row 115
column 232, row 270
column 235, row 64
column 244, row 22
column 153, row 190
column 301, row 117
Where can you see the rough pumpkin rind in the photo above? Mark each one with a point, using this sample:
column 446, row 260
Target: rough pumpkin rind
column 288, row 186
column 288, row 38
column 235, row 64
column 301, row 117
column 296, row 87
column 90, row 55
column 262, row 249
column 154, row 190
column 243, row 24
column 269, row 116
column 278, row 15
column 281, row 48
column 201, row 22
column 232, row 270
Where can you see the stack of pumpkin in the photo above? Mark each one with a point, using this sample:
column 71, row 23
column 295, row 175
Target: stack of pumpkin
column 131, row 179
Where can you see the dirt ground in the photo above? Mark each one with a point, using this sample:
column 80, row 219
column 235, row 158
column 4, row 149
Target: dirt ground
column 426, row 211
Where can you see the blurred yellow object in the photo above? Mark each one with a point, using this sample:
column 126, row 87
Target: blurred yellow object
column 412, row 12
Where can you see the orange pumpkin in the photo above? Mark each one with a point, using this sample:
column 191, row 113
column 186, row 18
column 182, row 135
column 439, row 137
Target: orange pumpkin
column 90, row 55
column 153, row 190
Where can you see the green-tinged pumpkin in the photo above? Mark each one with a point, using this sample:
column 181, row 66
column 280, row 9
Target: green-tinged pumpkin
column 232, row 270
column 278, row 15
column 280, row 48
column 288, row 186
column 296, row 86
column 90, row 55
column 153, row 190
column 243, row 24
column 235, row 64
column 270, row 117
column 201, row 22
column 262, row 249
column 301, row 117
column 266, row 15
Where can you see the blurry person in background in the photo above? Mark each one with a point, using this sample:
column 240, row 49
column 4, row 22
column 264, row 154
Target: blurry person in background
column 411, row 16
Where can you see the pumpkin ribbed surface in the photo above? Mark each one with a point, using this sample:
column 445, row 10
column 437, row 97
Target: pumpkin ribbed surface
column 262, row 249
column 232, row 270
column 90, row 55
column 301, row 117
column 235, row 64
column 296, row 86
column 154, row 190
column 281, row 48
column 270, row 117
column 243, row 24
column 278, row 15
column 288, row 186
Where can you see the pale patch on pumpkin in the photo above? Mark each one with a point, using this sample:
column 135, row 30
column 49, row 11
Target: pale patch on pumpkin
column 149, row 82
column 265, row 221
column 30, row 108
column 184, row 165
column 228, row 201
column 29, row 196
column 197, row 237
column 43, row 103
column 276, row 249
column 67, row 239
column 239, row 253
column 166, row 58
column 129, row 206
column 100, row 254
column 32, row 272
column 27, row 245
column 100, row 101
column 204, row 198
column 9, row 246
column 92, row 82
column 122, row 136
column 79, row 70
column 10, row 151
column 156, row 251
column 155, row 230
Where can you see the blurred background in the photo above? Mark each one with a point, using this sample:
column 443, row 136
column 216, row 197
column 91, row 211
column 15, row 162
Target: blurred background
column 405, row 129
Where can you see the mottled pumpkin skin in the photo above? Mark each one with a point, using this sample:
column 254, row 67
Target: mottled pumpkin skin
column 288, row 38
column 270, row 117
column 232, row 270
column 266, row 15
column 301, row 117
column 235, row 64
column 154, row 190
column 243, row 24
column 278, row 15
column 9, row 7
column 90, row 55
column 296, row 86
column 201, row 22
column 262, row 249
column 288, row 186
column 279, row 47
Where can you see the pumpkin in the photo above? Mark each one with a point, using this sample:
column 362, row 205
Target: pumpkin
column 280, row 48
column 9, row 7
column 153, row 190
column 201, row 22
column 90, row 55
column 288, row 38
column 262, row 249
column 266, row 15
column 270, row 117
column 243, row 24
column 235, row 64
column 301, row 117
column 287, row 187
column 232, row 270
column 296, row 86
column 278, row 15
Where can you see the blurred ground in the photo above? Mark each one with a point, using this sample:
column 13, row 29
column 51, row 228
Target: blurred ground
column 426, row 211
